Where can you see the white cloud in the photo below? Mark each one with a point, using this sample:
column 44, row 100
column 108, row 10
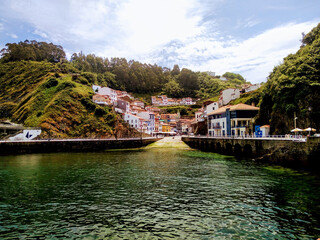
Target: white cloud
column 254, row 58
column 163, row 32
column 13, row 35
column 126, row 27
column 150, row 24
column 40, row 33
column 247, row 22
column 70, row 22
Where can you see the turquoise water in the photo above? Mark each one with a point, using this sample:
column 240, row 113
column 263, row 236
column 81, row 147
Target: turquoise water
column 154, row 193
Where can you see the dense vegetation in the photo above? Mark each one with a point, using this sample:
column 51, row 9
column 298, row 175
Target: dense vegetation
column 184, row 111
column 40, row 94
column 293, row 87
column 149, row 79
column 32, row 50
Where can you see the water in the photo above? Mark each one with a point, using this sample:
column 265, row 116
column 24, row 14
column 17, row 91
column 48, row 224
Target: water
column 154, row 193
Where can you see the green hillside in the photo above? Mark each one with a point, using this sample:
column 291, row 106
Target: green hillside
column 42, row 94
column 294, row 87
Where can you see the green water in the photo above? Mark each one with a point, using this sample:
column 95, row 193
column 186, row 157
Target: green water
column 154, row 193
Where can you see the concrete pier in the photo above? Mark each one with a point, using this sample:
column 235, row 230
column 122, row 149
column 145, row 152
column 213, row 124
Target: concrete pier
column 71, row 145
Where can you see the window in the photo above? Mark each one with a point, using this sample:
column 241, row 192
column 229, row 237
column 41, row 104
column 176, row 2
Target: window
column 223, row 124
column 131, row 121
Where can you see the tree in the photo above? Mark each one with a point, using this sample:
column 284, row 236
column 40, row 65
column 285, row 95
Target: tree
column 175, row 70
column 188, row 80
column 172, row 88
column 293, row 87
column 35, row 51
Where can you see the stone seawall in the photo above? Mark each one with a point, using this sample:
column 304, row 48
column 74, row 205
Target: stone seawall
column 282, row 152
column 71, row 145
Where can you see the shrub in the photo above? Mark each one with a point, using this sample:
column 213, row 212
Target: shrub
column 51, row 82
column 65, row 85
column 100, row 111
column 91, row 77
column 89, row 105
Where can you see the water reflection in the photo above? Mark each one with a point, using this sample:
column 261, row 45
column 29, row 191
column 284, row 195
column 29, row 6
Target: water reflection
column 154, row 193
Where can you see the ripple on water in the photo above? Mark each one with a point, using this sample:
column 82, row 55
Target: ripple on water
column 154, row 193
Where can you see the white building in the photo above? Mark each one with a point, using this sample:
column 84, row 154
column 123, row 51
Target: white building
column 95, row 88
column 149, row 117
column 109, row 92
column 199, row 115
column 138, row 103
column 233, row 120
column 27, row 134
column 212, row 74
column 228, row 95
column 134, row 121
column 265, row 129
column 209, row 108
column 252, row 87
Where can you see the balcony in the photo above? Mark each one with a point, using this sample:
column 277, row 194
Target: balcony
column 240, row 126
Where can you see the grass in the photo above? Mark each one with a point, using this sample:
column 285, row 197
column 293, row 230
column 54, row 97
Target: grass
column 36, row 96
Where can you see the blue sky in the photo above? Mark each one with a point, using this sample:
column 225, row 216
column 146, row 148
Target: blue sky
column 248, row 37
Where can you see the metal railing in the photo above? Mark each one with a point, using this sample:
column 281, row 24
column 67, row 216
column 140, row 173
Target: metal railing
column 269, row 137
column 78, row 139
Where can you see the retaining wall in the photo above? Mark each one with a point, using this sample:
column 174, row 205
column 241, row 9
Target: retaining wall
column 282, row 152
column 71, row 145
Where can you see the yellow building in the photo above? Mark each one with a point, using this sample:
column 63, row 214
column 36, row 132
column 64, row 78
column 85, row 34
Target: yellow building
column 166, row 128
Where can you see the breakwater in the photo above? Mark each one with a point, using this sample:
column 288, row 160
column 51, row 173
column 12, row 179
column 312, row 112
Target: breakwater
column 284, row 152
column 71, row 145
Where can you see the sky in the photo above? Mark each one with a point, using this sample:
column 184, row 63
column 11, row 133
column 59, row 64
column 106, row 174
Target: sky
column 249, row 37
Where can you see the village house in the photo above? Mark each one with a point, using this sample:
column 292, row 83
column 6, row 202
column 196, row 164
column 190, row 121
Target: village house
column 228, row 95
column 122, row 94
column 95, row 88
column 233, row 120
column 199, row 115
column 163, row 100
column 152, row 109
column 166, row 128
column 135, row 122
column 106, row 91
column 149, row 117
column 138, row 103
column 169, row 117
column 101, row 99
column 123, row 104
column 209, row 106
column 265, row 130
column 135, row 109
column 250, row 87
column 184, row 126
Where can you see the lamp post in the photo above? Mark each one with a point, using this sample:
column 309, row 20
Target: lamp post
column 295, row 122
column 309, row 113
column 141, row 131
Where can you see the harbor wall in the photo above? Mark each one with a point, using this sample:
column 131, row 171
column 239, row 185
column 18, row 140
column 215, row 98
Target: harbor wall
column 71, row 145
column 283, row 152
